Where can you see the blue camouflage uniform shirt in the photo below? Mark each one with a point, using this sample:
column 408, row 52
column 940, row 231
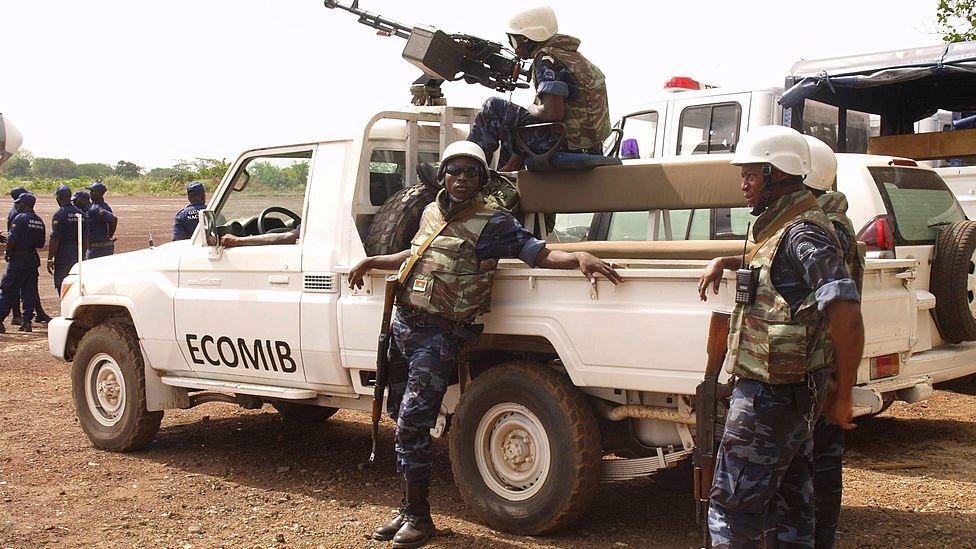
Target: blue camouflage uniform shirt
column 808, row 261
column 504, row 237
column 186, row 220
column 26, row 236
column 64, row 229
column 99, row 216
column 554, row 78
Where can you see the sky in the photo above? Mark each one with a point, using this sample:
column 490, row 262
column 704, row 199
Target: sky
column 156, row 82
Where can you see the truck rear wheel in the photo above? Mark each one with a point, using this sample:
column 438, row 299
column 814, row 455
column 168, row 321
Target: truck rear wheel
column 307, row 414
column 954, row 282
column 398, row 220
column 108, row 383
column 525, row 449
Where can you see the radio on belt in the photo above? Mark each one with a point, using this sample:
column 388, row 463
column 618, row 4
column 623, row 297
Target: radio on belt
column 746, row 278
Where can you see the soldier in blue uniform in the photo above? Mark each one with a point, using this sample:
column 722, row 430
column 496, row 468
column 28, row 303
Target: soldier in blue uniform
column 186, row 219
column 434, row 320
column 779, row 349
column 569, row 89
column 62, row 252
column 26, row 237
column 102, row 223
column 14, row 193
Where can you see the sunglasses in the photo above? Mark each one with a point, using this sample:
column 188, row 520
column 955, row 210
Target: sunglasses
column 470, row 171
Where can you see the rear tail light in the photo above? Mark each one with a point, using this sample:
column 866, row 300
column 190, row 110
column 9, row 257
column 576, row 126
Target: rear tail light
column 885, row 366
column 877, row 235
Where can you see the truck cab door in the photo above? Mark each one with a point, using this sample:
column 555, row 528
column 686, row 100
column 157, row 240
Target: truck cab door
column 237, row 309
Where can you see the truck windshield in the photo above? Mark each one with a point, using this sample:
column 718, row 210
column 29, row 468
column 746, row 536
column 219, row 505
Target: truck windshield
column 916, row 200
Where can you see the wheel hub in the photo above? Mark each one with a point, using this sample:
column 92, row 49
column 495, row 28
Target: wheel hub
column 105, row 389
column 512, row 451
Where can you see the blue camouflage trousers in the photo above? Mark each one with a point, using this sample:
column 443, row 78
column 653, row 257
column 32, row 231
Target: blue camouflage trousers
column 19, row 284
column 828, row 484
column 496, row 124
column 422, row 358
column 763, row 487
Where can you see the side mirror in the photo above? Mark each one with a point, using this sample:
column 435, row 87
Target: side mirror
column 240, row 182
column 209, row 228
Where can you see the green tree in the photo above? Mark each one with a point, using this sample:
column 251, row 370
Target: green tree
column 94, row 171
column 162, row 173
column 210, row 169
column 127, row 169
column 54, row 168
column 957, row 20
column 17, row 166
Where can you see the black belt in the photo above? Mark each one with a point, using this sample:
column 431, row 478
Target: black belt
column 468, row 331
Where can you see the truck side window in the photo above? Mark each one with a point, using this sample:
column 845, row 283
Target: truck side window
column 387, row 172
column 266, row 181
column 641, row 131
column 821, row 121
column 709, row 129
column 573, row 227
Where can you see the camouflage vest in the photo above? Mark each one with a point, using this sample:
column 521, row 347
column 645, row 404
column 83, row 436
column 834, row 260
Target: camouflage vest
column 834, row 204
column 587, row 115
column 766, row 341
column 449, row 281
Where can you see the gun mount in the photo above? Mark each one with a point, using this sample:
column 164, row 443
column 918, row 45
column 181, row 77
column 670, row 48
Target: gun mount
column 444, row 56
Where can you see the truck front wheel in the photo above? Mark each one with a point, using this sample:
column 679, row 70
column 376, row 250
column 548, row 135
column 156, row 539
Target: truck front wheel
column 525, row 449
column 108, row 383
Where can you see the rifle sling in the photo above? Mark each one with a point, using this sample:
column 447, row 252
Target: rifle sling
column 414, row 258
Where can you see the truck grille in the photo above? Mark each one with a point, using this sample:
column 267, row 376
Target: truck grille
column 325, row 284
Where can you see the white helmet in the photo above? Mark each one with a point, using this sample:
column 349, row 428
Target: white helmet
column 781, row 147
column 10, row 139
column 537, row 24
column 463, row 148
column 823, row 165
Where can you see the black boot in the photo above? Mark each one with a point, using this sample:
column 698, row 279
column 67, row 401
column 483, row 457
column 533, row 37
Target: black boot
column 388, row 530
column 2, row 329
column 25, row 326
column 17, row 320
column 418, row 526
column 43, row 317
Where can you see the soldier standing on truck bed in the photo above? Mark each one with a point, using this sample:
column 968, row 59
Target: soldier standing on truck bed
column 447, row 277
column 796, row 306
column 186, row 220
column 25, row 238
column 569, row 89
column 102, row 223
column 62, row 252
column 828, row 437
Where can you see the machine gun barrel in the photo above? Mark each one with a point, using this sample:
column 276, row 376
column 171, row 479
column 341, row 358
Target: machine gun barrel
column 378, row 22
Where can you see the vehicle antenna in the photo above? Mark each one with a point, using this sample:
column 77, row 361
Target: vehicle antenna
column 148, row 213
column 81, row 252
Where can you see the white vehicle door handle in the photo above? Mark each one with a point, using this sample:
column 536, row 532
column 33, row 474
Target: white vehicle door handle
column 204, row 282
column 279, row 279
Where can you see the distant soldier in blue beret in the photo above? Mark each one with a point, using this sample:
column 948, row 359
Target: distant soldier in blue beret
column 26, row 237
column 102, row 223
column 186, row 220
column 62, row 252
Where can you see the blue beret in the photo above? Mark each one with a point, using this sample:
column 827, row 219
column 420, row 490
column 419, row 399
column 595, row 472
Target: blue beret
column 63, row 191
column 97, row 186
column 17, row 191
column 81, row 195
column 26, row 198
column 194, row 187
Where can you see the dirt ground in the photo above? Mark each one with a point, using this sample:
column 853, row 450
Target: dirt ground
column 218, row 476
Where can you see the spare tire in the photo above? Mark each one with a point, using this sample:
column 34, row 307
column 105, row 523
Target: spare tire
column 398, row 220
column 954, row 282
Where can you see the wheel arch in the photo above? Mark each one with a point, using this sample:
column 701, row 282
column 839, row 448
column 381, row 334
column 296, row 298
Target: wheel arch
column 88, row 315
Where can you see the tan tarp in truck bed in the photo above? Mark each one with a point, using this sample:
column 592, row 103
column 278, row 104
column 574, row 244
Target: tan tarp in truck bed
column 671, row 184
column 658, row 249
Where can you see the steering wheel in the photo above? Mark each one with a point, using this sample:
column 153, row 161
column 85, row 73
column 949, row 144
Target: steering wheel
column 275, row 209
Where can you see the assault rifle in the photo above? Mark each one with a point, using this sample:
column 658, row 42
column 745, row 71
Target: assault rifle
column 382, row 359
column 707, row 429
column 446, row 56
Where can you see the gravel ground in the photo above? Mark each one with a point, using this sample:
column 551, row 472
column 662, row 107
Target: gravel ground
column 219, row 476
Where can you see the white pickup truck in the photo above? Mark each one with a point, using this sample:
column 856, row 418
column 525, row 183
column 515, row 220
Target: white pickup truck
column 570, row 382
